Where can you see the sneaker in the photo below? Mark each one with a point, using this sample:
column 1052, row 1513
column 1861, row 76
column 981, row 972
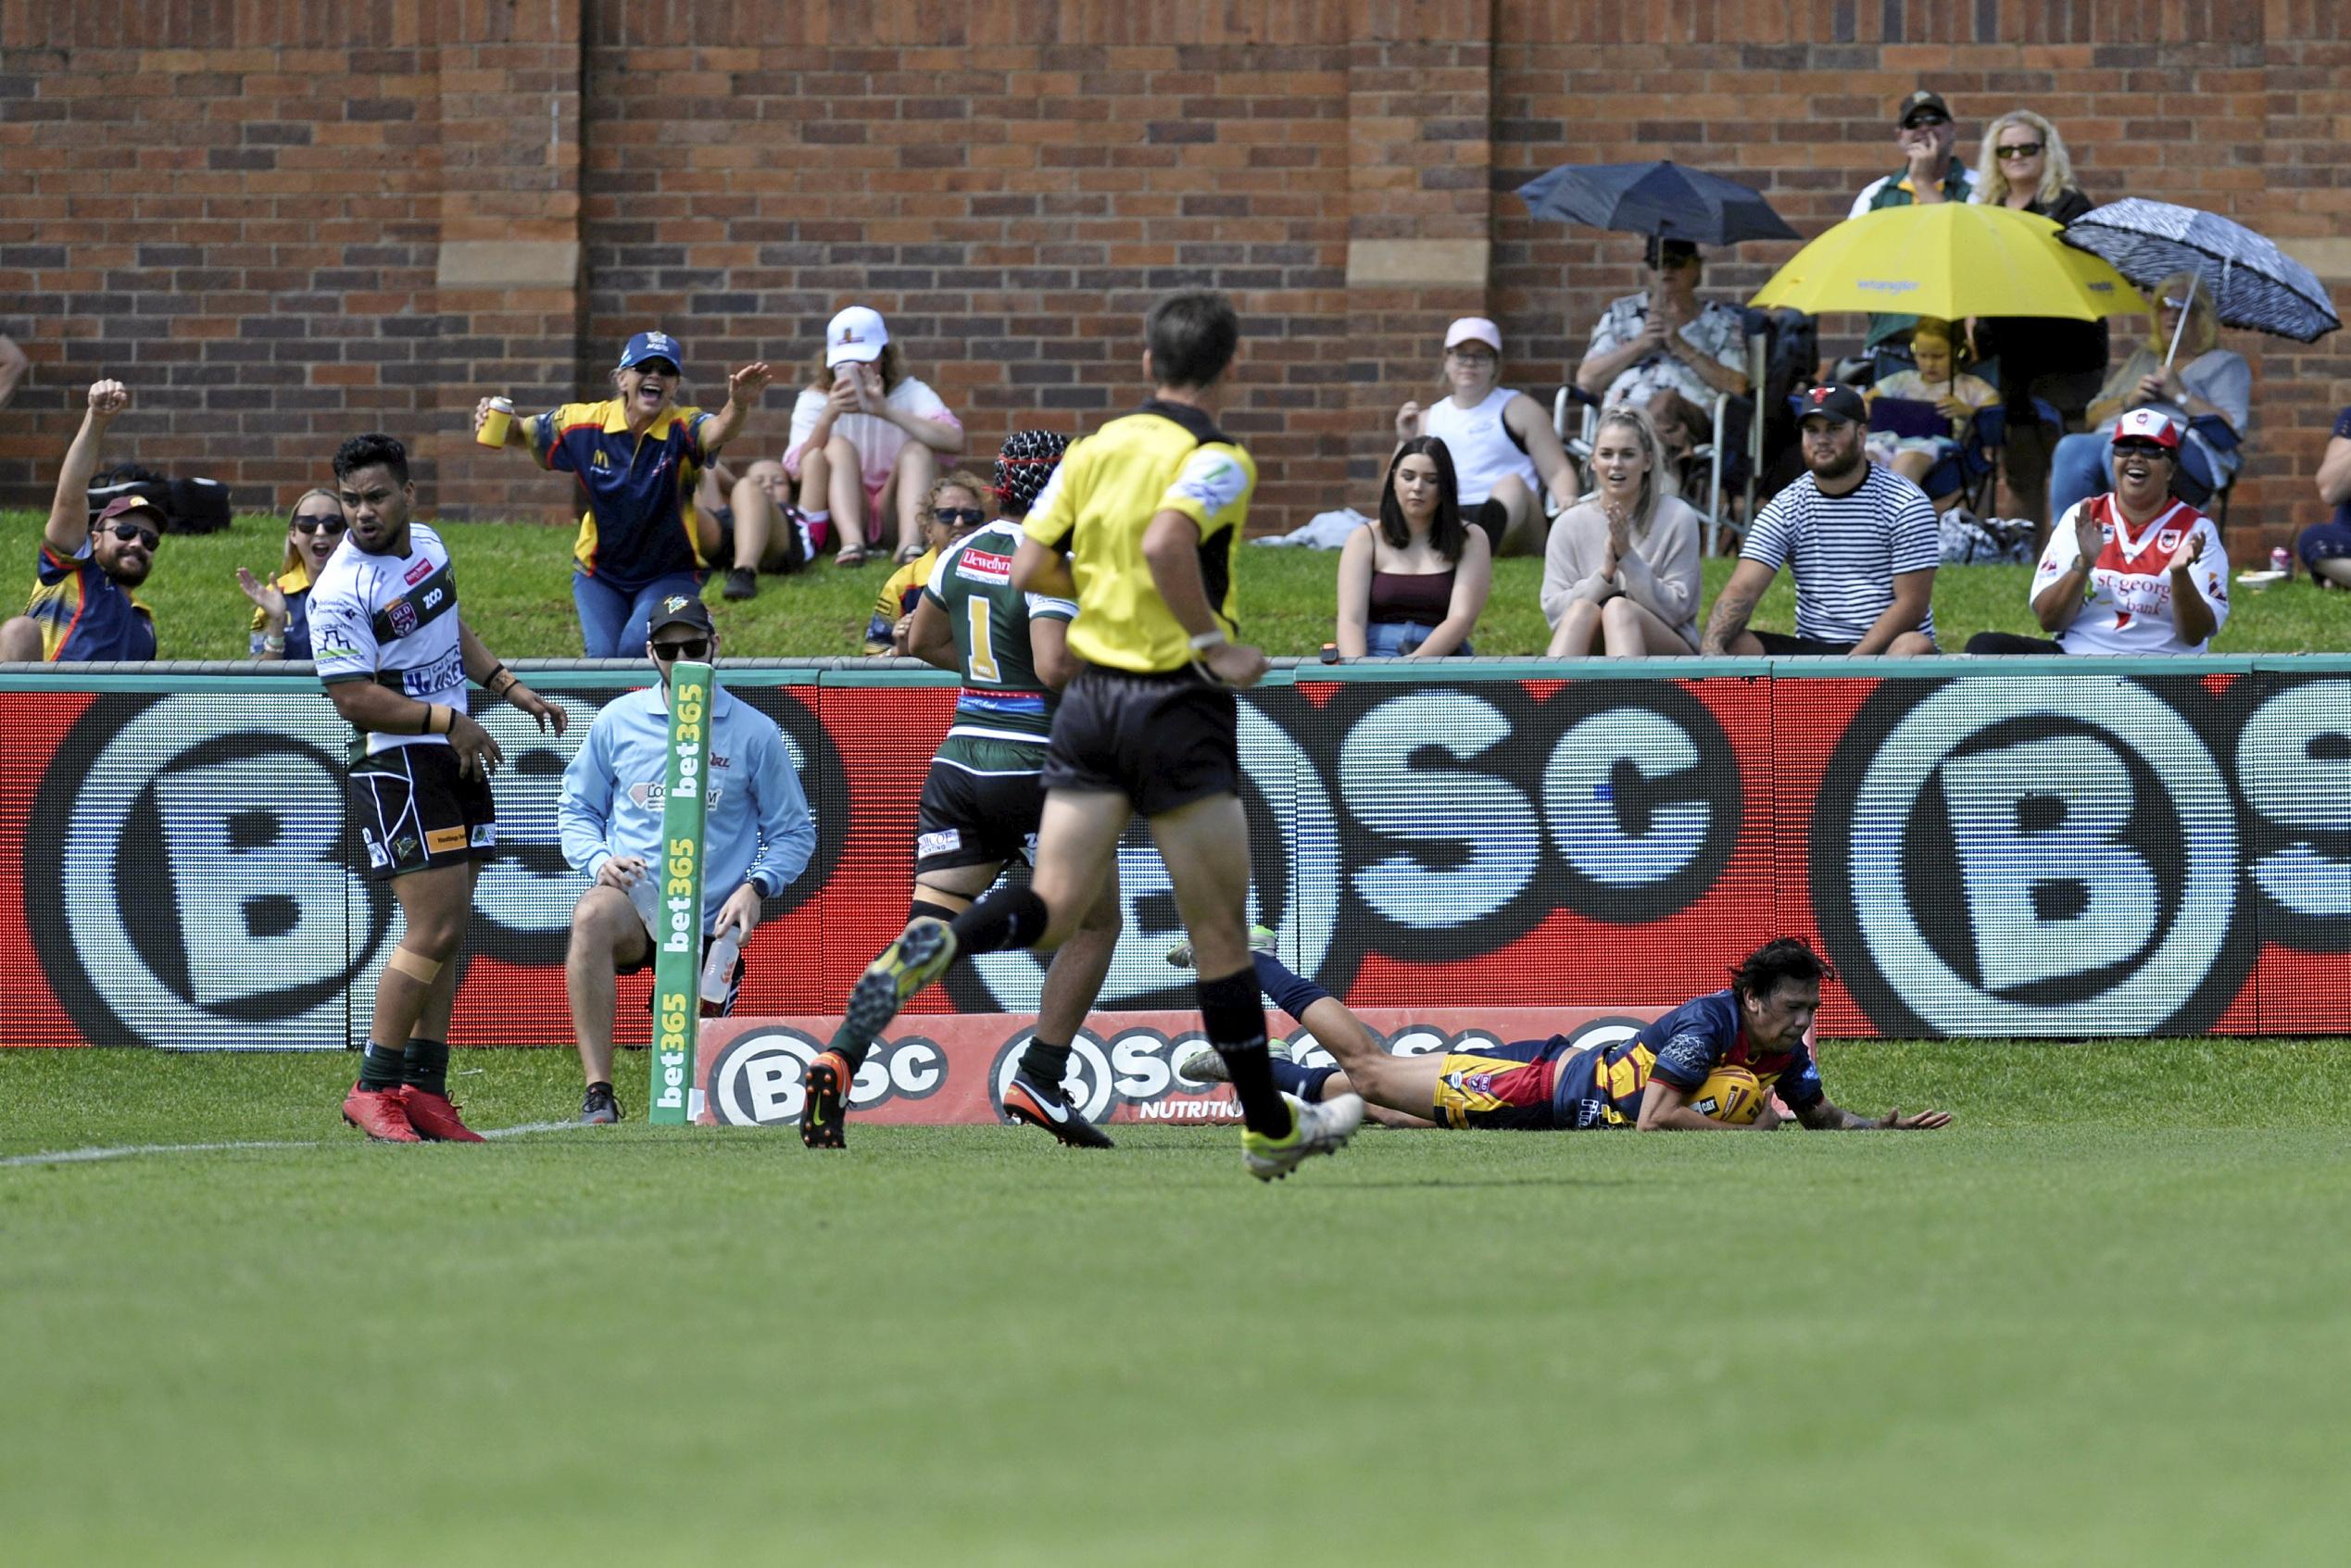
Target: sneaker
column 922, row 953
column 434, row 1118
column 381, row 1114
column 597, row 1107
column 1261, row 939
column 1207, row 1065
column 1044, row 1105
column 825, row 1088
column 1318, row 1129
column 742, row 583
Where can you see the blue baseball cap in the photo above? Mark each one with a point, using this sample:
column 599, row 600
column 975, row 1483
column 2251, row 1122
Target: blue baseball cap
column 651, row 345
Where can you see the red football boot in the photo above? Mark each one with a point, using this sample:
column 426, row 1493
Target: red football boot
column 380, row 1113
column 434, row 1118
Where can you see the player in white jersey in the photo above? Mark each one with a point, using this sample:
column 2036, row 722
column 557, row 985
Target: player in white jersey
column 393, row 655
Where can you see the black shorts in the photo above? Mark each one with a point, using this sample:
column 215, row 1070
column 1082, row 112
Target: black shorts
column 416, row 812
column 969, row 818
column 1780, row 645
column 1160, row 740
column 1494, row 518
column 734, row 984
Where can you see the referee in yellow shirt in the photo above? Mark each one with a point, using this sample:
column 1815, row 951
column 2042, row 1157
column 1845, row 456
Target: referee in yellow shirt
column 1141, row 525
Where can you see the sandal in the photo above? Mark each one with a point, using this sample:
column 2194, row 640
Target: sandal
column 910, row 553
column 850, row 555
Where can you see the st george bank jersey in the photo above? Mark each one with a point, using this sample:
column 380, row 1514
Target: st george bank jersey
column 1602, row 1087
column 1164, row 457
column 1003, row 700
column 391, row 620
column 2128, row 605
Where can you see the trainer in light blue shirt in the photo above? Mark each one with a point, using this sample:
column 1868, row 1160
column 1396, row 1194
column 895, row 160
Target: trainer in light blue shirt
column 756, row 826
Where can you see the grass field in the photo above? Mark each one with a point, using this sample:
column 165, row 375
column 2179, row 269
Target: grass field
column 2099, row 1321
column 516, row 582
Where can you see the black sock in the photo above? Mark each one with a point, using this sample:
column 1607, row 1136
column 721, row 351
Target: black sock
column 1012, row 917
column 1235, row 1020
column 381, row 1069
column 428, row 1067
column 1047, row 1064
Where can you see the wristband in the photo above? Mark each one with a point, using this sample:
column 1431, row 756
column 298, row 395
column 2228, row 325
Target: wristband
column 1204, row 641
column 487, row 680
column 439, row 719
column 274, row 645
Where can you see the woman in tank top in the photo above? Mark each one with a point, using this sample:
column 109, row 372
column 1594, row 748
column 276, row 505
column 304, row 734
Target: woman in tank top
column 1411, row 584
column 1620, row 576
column 1502, row 445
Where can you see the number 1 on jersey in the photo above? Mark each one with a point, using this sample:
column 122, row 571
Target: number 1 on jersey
column 983, row 651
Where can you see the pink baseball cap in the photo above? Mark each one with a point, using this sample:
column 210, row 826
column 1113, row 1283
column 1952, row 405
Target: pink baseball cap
column 1474, row 329
column 2147, row 424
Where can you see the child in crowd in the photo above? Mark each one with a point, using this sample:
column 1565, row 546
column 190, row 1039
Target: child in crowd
column 1955, row 395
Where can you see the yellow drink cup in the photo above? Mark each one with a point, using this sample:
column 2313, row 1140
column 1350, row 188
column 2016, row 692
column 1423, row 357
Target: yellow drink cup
column 499, row 422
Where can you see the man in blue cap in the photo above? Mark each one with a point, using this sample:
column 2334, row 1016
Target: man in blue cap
column 637, row 456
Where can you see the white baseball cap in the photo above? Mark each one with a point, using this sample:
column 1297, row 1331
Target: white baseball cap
column 1474, row 329
column 2147, row 424
column 856, row 335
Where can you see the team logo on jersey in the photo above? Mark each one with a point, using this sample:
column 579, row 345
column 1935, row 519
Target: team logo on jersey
column 401, row 615
column 984, row 566
column 2167, row 540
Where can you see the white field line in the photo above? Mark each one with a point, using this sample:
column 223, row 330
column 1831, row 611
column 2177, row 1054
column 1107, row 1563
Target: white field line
column 125, row 1151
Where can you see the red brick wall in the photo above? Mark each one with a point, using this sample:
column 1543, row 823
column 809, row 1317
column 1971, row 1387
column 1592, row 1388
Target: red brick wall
column 285, row 223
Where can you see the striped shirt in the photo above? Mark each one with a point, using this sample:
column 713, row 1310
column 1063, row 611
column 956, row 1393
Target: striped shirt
column 1844, row 551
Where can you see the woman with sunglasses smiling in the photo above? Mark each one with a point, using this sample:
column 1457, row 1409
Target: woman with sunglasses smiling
column 282, row 606
column 85, row 605
column 2023, row 165
column 2134, row 572
column 953, row 508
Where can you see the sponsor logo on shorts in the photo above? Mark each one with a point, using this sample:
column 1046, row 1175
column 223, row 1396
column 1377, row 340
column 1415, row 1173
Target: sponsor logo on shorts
column 378, row 856
column 445, row 841
column 485, row 835
column 947, row 841
column 984, row 566
column 405, row 847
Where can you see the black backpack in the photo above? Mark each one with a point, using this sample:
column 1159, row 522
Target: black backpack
column 189, row 506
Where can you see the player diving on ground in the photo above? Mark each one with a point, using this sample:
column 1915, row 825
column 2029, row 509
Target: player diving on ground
column 1711, row 1064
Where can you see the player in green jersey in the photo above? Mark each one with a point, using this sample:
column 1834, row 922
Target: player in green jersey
column 983, row 798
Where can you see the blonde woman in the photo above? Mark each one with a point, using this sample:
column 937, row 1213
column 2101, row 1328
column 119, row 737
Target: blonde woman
column 2024, row 165
column 2201, row 379
column 1621, row 570
column 281, row 603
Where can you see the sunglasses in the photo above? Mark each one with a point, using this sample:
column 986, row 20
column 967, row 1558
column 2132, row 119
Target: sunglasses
column 950, row 516
column 654, row 368
column 126, row 532
column 2017, row 152
column 1926, row 122
column 2148, row 448
column 698, row 648
column 335, row 525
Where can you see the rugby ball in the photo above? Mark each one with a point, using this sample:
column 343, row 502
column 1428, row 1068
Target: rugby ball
column 1729, row 1094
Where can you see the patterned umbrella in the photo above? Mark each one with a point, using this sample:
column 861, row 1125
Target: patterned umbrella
column 2250, row 281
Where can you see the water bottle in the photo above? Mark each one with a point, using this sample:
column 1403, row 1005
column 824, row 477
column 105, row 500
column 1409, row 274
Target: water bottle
column 718, row 968
column 647, row 902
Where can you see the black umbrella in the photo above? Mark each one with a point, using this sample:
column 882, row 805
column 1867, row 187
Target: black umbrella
column 1661, row 199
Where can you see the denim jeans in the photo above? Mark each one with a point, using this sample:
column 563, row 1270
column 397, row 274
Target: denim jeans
column 1393, row 639
column 612, row 619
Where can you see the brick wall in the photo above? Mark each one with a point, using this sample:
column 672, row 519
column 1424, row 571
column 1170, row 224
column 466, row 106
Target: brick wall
column 283, row 224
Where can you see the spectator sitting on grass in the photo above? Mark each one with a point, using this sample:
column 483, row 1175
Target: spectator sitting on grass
column 282, row 606
column 750, row 522
column 866, row 440
column 952, row 509
column 2136, row 571
column 84, row 605
column 1955, row 397
column 1504, row 451
column 1861, row 541
column 2203, row 379
column 1621, row 570
column 1666, row 351
column 1411, row 584
column 2326, row 549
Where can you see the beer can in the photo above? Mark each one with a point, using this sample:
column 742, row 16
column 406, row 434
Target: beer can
column 2280, row 562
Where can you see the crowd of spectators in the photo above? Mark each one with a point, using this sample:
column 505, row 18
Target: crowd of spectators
column 2113, row 464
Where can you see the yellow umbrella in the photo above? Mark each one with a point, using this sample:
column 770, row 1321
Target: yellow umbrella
column 1953, row 259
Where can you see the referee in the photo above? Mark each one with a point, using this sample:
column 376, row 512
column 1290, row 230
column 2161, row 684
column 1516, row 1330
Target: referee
column 1139, row 525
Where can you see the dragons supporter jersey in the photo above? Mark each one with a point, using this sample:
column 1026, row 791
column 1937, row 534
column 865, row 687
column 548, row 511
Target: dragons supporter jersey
column 1003, row 702
column 391, row 620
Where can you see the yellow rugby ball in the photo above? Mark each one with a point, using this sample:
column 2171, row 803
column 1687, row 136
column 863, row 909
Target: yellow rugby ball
column 1729, row 1094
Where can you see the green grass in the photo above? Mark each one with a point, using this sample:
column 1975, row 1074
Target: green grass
column 516, row 582
column 2096, row 1322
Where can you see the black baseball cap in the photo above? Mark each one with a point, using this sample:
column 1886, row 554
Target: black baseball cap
column 1837, row 402
column 1921, row 99
column 680, row 610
